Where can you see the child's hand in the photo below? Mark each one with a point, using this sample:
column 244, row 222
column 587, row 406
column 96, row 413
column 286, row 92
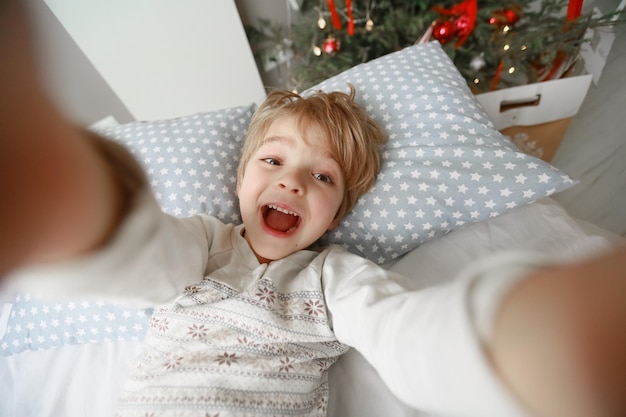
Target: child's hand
column 59, row 196
column 560, row 339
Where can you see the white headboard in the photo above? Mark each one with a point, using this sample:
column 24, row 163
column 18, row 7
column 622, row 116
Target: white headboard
column 159, row 59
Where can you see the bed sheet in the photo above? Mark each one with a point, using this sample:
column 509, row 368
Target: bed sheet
column 68, row 359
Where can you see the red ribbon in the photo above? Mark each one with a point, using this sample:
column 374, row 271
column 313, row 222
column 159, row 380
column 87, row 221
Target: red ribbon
column 334, row 15
column 574, row 9
column 496, row 78
column 468, row 8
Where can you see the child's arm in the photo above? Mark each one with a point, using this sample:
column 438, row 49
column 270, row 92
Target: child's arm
column 550, row 341
column 69, row 192
column 60, row 198
column 559, row 340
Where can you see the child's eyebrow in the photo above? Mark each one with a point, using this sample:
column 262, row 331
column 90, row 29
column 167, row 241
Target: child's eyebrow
column 272, row 139
column 321, row 150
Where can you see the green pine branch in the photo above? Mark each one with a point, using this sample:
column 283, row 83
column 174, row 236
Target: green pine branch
column 534, row 42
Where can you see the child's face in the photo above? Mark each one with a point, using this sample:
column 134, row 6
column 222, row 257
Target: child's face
column 290, row 192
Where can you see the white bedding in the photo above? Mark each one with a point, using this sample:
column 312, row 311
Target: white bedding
column 53, row 362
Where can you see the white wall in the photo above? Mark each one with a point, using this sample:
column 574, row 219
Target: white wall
column 71, row 80
column 161, row 59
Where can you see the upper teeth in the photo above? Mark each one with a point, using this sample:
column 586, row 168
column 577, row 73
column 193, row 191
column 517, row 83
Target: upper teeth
column 282, row 210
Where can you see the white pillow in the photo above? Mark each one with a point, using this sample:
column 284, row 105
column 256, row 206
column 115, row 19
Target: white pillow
column 445, row 166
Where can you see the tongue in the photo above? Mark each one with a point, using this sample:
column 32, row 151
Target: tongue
column 280, row 221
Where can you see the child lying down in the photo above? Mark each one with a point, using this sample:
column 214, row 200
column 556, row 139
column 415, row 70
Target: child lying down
column 249, row 318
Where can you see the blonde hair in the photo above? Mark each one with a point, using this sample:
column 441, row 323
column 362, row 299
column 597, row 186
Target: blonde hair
column 354, row 139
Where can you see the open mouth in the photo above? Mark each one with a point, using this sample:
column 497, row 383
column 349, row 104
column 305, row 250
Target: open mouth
column 280, row 219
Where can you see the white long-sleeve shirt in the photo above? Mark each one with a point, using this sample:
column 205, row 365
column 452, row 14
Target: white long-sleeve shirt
column 425, row 343
column 264, row 335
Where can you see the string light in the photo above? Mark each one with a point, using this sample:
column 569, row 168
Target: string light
column 369, row 24
column 507, row 47
column 511, row 70
column 317, row 51
column 476, row 81
column 321, row 22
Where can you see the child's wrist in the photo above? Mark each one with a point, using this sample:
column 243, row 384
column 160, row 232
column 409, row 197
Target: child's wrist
column 125, row 179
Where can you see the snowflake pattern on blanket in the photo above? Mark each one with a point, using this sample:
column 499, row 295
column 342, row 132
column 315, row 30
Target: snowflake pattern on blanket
column 221, row 352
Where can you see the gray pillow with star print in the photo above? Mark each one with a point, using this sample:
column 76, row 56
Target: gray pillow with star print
column 191, row 161
column 444, row 166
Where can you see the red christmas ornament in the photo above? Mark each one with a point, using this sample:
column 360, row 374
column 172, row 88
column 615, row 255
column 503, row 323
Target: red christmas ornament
column 464, row 14
column 497, row 18
column 331, row 45
column 462, row 25
column 505, row 17
column 444, row 30
column 512, row 16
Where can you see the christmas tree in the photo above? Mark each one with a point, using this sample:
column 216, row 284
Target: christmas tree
column 494, row 44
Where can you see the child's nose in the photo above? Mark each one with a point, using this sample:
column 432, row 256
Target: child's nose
column 293, row 182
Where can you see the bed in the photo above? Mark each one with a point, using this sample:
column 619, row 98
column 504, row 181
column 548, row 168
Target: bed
column 451, row 190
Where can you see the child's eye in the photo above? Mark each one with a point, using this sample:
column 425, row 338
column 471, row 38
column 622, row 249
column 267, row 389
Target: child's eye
column 323, row 177
column 271, row 161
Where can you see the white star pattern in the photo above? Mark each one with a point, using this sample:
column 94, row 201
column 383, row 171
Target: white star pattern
column 33, row 323
column 183, row 175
